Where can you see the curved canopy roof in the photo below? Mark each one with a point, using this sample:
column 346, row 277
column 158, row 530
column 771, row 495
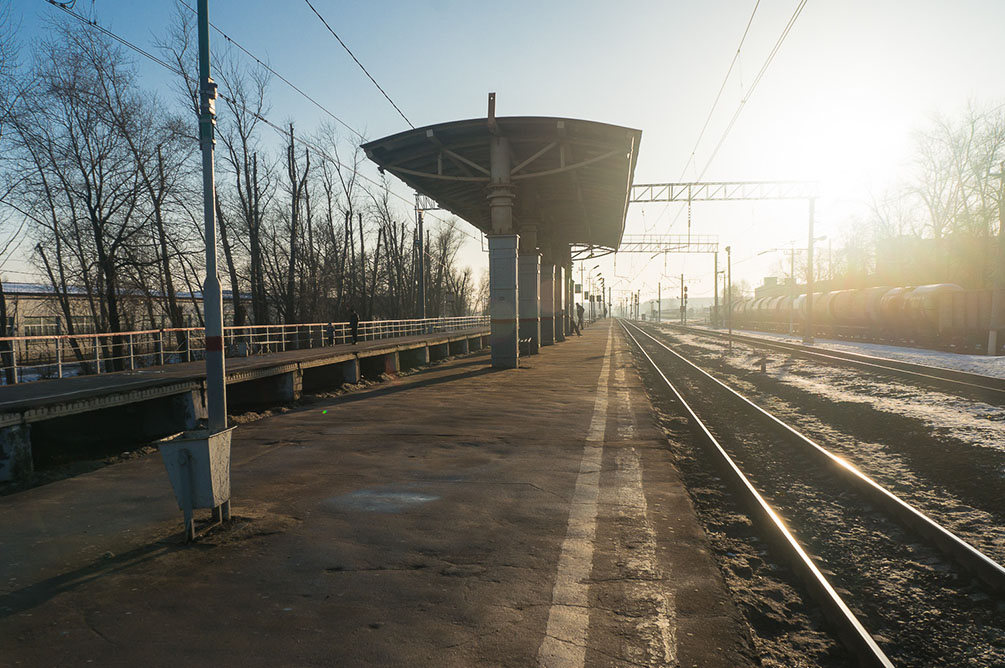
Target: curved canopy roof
column 572, row 178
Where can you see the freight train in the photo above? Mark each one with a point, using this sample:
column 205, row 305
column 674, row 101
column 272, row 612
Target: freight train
column 942, row 316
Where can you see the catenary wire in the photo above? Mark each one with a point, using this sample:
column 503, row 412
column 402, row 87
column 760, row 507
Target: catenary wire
column 753, row 85
column 349, row 51
column 278, row 75
column 708, row 118
column 750, row 91
column 722, row 87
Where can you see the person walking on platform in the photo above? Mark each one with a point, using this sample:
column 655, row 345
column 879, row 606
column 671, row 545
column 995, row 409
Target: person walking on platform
column 579, row 315
column 575, row 327
column 330, row 333
column 354, row 325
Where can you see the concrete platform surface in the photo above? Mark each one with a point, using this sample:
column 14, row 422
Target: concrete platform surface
column 457, row 516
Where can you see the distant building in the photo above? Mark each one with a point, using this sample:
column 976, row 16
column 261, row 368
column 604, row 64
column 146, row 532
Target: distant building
column 33, row 310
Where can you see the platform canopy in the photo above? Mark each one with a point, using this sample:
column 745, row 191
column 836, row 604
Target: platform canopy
column 570, row 178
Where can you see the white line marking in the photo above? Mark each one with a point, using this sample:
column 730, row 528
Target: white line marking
column 643, row 576
column 564, row 644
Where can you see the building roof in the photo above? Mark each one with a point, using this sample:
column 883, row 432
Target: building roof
column 45, row 289
column 572, row 177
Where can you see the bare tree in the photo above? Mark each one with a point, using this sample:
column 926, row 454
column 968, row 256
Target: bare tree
column 11, row 88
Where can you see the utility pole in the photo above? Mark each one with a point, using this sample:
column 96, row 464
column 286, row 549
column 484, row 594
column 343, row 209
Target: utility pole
column 715, row 291
column 792, row 292
column 422, row 260
column 997, row 296
column 682, row 299
column 659, row 302
column 729, row 294
column 808, row 332
column 582, row 283
column 216, row 389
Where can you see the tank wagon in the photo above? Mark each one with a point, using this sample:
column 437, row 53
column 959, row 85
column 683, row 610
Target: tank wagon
column 942, row 316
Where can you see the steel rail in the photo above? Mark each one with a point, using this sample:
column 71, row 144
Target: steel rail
column 953, row 377
column 849, row 628
column 988, row 570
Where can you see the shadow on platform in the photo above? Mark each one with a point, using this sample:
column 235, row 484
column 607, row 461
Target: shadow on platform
column 22, row 600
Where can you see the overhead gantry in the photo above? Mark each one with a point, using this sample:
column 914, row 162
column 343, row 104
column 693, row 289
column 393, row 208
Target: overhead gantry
column 535, row 186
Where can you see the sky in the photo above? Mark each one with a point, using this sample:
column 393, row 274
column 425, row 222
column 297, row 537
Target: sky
column 838, row 104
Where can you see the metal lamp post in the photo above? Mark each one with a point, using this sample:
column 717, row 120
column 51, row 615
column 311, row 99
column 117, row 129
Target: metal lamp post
column 600, row 297
column 729, row 293
column 718, row 311
column 808, row 332
column 198, row 463
column 998, row 288
column 216, row 391
column 593, row 298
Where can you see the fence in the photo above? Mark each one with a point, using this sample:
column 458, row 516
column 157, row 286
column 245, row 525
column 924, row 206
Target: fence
column 30, row 358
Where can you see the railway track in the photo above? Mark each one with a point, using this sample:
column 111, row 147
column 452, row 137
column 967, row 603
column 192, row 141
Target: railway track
column 914, row 593
column 938, row 446
column 989, row 388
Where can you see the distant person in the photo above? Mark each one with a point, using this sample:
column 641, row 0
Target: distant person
column 575, row 327
column 330, row 333
column 579, row 315
column 354, row 325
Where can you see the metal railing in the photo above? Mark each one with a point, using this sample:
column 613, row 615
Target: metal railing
column 29, row 358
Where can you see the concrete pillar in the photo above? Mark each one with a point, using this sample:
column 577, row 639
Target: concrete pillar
column 559, row 303
column 350, row 371
column 570, row 299
column 15, row 453
column 503, row 246
column 392, row 363
column 547, row 304
column 530, row 300
column 503, row 300
column 530, row 287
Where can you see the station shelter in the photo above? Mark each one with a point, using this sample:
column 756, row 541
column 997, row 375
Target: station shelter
column 540, row 188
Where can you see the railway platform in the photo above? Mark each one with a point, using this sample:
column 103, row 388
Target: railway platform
column 455, row 516
column 95, row 411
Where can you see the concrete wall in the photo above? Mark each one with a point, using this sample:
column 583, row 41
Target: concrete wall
column 109, row 431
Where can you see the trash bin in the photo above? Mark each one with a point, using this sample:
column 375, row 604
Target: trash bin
column 198, row 465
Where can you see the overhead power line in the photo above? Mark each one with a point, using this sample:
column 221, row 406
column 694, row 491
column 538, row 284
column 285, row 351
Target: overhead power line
column 750, row 91
column 349, row 51
column 68, row 8
column 708, row 118
column 753, row 85
column 718, row 95
column 278, row 75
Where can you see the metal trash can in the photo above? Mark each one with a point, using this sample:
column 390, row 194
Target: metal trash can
column 198, row 465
